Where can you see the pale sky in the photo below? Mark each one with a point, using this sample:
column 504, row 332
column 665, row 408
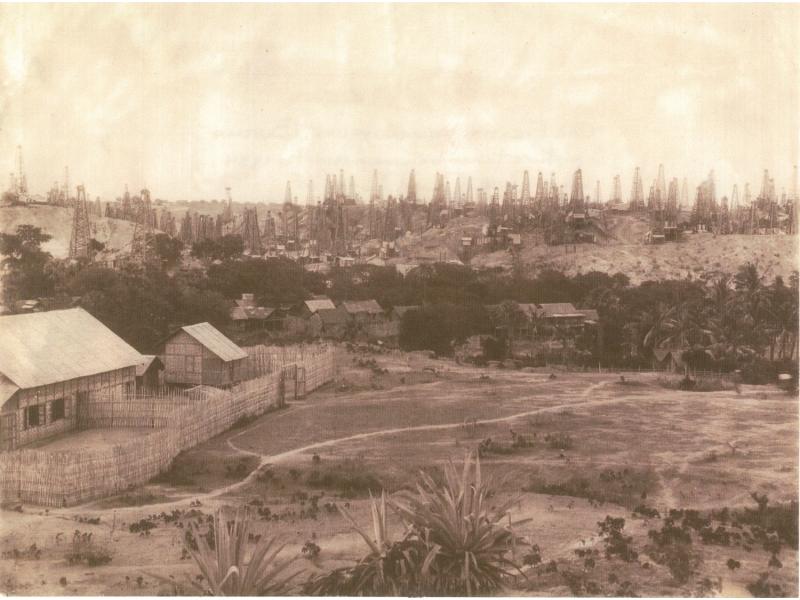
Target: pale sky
column 186, row 100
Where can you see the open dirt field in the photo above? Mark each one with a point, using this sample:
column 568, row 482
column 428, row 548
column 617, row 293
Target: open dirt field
column 596, row 447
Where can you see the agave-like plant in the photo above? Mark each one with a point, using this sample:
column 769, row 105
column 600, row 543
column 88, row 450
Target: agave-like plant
column 389, row 568
column 467, row 545
column 225, row 567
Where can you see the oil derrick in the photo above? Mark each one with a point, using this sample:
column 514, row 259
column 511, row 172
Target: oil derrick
column 141, row 245
column 251, row 234
column 525, row 197
column 494, row 208
column 469, row 202
column 539, row 198
column 166, row 223
column 341, row 190
column 448, row 198
column 79, row 239
column 186, row 229
column 374, row 194
column 616, row 194
column 671, row 206
column 390, row 227
column 661, row 188
column 64, row 197
column 438, row 201
column 351, row 189
column 127, row 211
column 576, row 198
column 458, row 201
column 793, row 197
column 507, row 208
column 637, row 194
column 287, row 196
column 553, row 197
column 411, row 197
column 21, row 181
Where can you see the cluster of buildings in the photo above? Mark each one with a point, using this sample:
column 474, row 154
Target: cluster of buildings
column 53, row 364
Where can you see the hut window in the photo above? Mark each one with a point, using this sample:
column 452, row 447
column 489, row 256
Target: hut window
column 32, row 416
column 57, row 410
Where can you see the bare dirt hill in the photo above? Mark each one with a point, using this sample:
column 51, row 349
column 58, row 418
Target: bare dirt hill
column 697, row 255
column 56, row 221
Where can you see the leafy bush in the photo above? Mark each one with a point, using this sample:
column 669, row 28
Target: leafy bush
column 616, row 543
column 349, row 477
column 224, row 565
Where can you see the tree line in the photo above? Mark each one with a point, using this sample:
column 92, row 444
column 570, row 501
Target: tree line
column 729, row 321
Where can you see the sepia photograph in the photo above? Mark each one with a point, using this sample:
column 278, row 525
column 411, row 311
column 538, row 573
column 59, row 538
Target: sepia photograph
column 388, row 299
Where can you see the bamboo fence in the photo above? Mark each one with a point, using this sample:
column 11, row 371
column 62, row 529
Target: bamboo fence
column 178, row 421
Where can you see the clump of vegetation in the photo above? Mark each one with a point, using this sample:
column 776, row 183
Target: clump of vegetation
column 625, row 487
column 455, row 543
column 225, row 567
column 616, row 544
column 764, row 588
column 350, row 478
column 32, row 552
column 84, row 551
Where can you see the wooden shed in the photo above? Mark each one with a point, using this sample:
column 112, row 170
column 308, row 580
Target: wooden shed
column 51, row 363
column 201, row 355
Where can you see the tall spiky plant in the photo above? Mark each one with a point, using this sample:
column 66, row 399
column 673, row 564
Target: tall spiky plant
column 467, row 545
column 227, row 571
column 389, row 568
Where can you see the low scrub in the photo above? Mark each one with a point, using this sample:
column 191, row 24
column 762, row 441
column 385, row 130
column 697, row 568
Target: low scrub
column 350, row 478
column 84, row 551
column 702, row 384
column 625, row 487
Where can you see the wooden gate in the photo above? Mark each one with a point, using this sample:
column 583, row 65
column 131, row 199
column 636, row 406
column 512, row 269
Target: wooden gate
column 8, row 431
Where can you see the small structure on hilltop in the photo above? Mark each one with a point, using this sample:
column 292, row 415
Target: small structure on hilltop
column 201, row 355
column 51, row 364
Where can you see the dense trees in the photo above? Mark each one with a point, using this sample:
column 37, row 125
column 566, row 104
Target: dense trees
column 726, row 322
column 25, row 264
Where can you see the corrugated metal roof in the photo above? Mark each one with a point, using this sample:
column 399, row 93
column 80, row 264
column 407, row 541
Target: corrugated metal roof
column 211, row 338
column 320, row 304
column 362, row 306
column 59, row 345
column 558, row 309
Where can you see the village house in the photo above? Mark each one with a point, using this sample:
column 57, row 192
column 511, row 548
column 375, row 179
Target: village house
column 51, row 363
column 329, row 323
column 246, row 316
column 201, row 355
column 363, row 313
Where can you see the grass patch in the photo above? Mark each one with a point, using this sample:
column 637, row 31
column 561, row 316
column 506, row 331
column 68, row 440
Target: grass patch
column 139, row 497
column 350, row 477
column 626, row 487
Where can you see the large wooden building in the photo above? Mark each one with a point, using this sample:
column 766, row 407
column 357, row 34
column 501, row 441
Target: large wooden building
column 52, row 362
column 201, row 355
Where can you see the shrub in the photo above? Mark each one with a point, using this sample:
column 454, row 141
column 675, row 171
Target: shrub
column 616, row 543
column 466, row 544
column 223, row 564
column 84, row 551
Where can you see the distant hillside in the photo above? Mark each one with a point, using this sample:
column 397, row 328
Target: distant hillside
column 57, row 221
column 623, row 252
column 698, row 255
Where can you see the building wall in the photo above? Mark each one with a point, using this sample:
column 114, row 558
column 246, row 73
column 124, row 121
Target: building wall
column 32, row 415
column 183, row 360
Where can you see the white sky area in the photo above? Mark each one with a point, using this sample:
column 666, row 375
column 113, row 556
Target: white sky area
column 186, row 100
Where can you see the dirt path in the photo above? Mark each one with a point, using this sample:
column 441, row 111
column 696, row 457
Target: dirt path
column 266, row 459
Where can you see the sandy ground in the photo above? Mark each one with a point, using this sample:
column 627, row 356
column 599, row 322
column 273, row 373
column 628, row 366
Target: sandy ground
column 90, row 438
column 390, row 425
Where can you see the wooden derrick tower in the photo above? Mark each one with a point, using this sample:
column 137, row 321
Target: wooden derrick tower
column 79, row 240
column 142, row 243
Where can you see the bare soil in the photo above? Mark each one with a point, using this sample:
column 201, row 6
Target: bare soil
column 632, row 445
